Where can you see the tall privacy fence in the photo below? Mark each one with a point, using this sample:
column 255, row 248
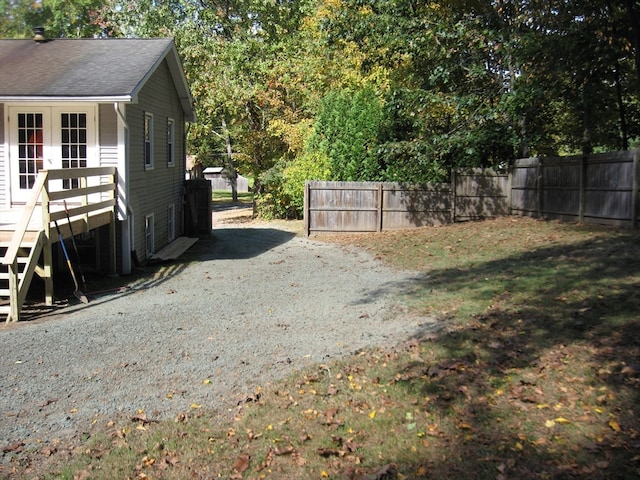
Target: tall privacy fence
column 594, row 189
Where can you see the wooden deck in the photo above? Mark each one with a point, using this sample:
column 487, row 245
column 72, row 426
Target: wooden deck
column 9, row 219
column 27, row 232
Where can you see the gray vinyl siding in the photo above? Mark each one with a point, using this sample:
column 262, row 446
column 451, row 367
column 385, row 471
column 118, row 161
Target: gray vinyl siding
column 108, row 135
column 153, row 190
column 4, row 173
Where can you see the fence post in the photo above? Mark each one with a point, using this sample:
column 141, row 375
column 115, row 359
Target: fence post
column 582, row 194
column 634, row 193
column 453, row 195
column 509, row 191
column 380, row 205
column 539, row 187
column 305, row 211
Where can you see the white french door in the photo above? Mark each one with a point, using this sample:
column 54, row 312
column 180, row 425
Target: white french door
column 49, row 138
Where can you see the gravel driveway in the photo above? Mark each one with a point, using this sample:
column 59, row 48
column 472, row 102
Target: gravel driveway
column 237, row 311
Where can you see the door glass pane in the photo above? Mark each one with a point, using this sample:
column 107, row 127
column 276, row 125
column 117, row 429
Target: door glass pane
column 30, row 148
column 74, row 144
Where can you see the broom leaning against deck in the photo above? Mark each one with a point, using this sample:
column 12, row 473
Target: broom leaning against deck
column 79, row 295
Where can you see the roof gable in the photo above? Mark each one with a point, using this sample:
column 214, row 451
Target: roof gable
column 87, row 69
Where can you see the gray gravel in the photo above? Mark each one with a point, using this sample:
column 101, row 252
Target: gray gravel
column 234, row 313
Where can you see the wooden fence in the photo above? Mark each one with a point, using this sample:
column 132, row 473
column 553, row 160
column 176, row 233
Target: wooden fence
column 378, row 206
column 599, row 188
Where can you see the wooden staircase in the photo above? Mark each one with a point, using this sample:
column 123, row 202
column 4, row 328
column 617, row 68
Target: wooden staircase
column 15, row 279
column 26, row 249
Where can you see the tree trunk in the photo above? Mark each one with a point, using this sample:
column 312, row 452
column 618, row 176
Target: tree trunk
column 632, row 15
column 233, row 175
column 621, row 111
column 587, row 118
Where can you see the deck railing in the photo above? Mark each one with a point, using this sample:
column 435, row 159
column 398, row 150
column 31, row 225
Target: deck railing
column 83, row 201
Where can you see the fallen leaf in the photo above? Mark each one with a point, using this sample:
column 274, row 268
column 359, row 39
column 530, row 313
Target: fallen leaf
column 242, row 463
column 48, row 451
column 562, row 420
column 141, row 417
column 331, row 452
column 388, row 471
column 15, row 447
column 284, row 450
column 614, row 425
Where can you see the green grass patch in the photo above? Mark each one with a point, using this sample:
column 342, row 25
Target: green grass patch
column 225, row 196
column 536, row 375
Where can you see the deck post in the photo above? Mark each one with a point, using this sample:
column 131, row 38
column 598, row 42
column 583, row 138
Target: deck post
column 113, row 256
column 47, row 255
column 14, row 294
column 84, row 202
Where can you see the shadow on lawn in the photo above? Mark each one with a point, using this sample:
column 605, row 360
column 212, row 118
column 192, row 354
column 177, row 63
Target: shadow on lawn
column 542, row 385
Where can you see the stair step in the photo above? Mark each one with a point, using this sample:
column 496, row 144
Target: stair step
column 5, row 276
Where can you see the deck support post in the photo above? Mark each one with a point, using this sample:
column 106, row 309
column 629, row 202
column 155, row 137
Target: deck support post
column 14, row 294
column 47, row 254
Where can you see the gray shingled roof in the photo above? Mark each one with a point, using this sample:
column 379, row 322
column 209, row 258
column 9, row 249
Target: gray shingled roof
column 85, row 68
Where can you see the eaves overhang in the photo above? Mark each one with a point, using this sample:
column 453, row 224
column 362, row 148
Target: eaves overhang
column 50, row 99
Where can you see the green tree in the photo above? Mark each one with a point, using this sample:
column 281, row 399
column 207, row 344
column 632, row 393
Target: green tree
column 347, row 130
column 59, row 18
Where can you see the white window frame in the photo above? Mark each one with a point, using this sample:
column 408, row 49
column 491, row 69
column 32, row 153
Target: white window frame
column 149, row 235
column 147, row 133
column 171, row 223
column 171, row 142
column 52, row 153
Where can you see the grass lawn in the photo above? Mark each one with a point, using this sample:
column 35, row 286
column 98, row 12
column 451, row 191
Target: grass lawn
column 224, row 196
column 535, row 374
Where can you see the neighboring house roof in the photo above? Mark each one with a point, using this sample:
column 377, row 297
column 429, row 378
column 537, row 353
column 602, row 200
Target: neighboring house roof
column 213, row 170
column 87, row 69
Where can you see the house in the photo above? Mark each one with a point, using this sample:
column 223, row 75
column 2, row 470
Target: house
column 219, row 178
column 86, row 103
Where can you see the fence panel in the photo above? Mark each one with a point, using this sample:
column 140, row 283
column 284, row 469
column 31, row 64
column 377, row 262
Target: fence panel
column 609, row 189
column 480, row 194
column 524, row 187
column 561, row 179
column 408, row 206
column 600, row 188
column 342, row 206
column 373, row 206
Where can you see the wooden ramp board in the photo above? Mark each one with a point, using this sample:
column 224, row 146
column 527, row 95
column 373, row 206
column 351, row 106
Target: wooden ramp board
column 174, row 249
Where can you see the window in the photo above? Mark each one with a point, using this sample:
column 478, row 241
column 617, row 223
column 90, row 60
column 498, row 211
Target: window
column 171, row 134
column 148, row 141
column 149, row 235
column 73, row 130
column 171, row 223
column 30, row 148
